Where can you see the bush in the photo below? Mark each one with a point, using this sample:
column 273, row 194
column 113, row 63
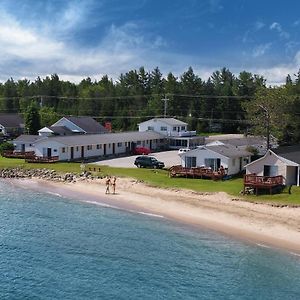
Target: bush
column 6, row 146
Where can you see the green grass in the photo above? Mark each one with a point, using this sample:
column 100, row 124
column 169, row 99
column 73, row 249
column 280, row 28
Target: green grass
column 160, row 178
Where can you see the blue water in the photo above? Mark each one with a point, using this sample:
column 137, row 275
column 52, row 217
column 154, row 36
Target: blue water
column 55, row 248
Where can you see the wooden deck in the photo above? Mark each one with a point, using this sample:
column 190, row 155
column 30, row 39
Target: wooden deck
column 17, row 154
column 39, row 159
column 197, row 172
column 257, row 183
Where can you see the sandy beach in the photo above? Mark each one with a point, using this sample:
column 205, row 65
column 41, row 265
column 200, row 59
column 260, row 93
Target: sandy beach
column 263, row 224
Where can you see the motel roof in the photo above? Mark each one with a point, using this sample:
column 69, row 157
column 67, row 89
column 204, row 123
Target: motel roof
column 94, row 139
column 168, row 121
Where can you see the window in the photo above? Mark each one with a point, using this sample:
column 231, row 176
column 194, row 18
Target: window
column 98, row 146
column 77, row 149
column 174, row 128
column 182, row 127
column 119, row 145
column 190, row 162
column 63, row 150
column 150, row 128
column 55, row 150
column 213, row 163
column 138, row 142
column 270, row 170
column 163, row 128
column 109, row 145
column 89, row 147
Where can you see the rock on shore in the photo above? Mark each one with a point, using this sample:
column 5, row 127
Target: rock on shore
column 45, row 174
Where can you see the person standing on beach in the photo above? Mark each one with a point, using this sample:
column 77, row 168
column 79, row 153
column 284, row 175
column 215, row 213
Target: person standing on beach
column 113, row 183
column 107, row 183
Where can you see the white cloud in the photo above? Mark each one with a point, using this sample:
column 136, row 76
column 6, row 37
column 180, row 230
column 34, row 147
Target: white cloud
column 259, row 25
column 260, row 50
column 277, row 27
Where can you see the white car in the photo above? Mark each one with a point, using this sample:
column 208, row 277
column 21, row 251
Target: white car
column 183, row 150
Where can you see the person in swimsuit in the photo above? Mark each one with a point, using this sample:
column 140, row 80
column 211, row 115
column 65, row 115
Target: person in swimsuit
column 107, row 183
column 113, row 183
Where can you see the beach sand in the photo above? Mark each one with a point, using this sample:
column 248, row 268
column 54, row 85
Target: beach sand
column 263, row 224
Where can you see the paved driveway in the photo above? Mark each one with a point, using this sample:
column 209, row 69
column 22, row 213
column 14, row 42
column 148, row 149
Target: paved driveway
column 170, row 158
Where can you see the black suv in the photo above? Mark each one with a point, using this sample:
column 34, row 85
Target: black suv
column 148, row 162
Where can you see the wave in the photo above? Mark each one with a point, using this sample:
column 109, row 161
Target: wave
column 124, row 209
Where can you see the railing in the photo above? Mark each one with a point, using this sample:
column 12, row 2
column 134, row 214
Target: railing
column 17, row 154
column 196, row 172
column 40, row 159
column 263, row 181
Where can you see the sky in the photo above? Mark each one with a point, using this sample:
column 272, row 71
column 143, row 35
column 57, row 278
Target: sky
column 90, row 38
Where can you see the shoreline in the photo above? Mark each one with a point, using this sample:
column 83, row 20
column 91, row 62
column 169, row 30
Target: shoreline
column 262, row 224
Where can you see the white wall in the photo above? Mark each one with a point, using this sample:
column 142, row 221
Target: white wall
column 231, row 164
column 156, row 125
column 89, row 150
column 270, row 159
column 28, row 146
column 68, row 124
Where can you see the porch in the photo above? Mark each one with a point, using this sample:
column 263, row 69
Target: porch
column 271, row 183
column 197, row 172
column 40, row 159
column 17, row 154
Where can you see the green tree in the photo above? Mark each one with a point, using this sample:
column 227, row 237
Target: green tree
column 5, row 146
column 269, row 111
column 32, row 119
column 48, row 116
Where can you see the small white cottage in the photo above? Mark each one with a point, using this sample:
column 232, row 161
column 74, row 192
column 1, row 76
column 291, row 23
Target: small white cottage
column 273, row 164
column 232, row 159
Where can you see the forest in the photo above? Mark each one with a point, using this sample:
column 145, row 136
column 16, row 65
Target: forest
column 224, row 103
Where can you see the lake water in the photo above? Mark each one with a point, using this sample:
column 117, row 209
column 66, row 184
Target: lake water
column 56, row 248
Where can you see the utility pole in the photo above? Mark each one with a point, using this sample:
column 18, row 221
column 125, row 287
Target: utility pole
column 165, row 100
column 267, row 125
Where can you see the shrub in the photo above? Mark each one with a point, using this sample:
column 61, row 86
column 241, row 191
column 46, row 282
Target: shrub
column 6, row 146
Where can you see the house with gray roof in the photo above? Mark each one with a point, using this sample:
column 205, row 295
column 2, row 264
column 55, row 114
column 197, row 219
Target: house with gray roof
column 11, row 124
column 175, row 131
column 87, row 146
column 241, row 141
column 26, row 142
column 55, row 130
column 284, row 161
column 232, row 159
column 75, row 125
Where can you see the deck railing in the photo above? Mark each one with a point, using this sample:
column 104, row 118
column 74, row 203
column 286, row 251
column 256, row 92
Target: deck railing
column 17, row 154
column 199, row 172
column 40, row 159
column 254, row 180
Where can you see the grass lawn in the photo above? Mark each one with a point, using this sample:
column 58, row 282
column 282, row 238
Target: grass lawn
column 160, row 178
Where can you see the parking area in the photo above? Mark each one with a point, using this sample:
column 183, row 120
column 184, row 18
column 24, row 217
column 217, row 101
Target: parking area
column 170, row 158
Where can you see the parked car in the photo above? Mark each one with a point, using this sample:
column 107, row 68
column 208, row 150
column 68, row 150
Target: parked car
column 148, row 162
column 183, row 150
column 141, row 150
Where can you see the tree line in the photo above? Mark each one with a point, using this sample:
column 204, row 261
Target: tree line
column 224, row 102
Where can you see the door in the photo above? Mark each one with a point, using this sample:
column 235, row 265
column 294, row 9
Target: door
column 114, row 148
column 49, row 152
column 82, row 151
column 23, row 147
column 104, row 149
column 72, row 152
